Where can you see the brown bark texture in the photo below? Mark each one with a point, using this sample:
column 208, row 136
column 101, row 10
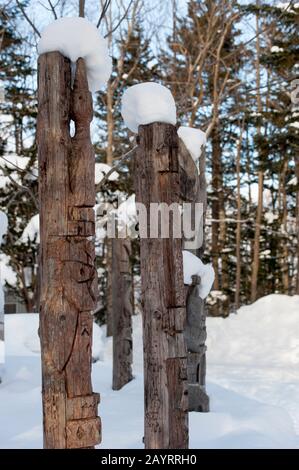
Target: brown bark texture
column 122, row 307
column 157, row 179
column 68, row 288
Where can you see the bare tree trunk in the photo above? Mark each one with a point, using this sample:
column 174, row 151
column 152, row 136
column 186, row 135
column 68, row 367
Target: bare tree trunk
column 297, row 223
column 110, row 125
column 238, row 234
column 109, row 161
column 259, row 212
column 122, row 303
column 82, row 8
column 68, row 287
column 109, row 298
column 257, row 234
column 285, row 257
column 217, row 188
column 164, row 312
column 297, row 227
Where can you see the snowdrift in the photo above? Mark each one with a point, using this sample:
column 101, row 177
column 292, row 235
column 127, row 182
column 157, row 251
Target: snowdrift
column 265, row 333
column 252, row 380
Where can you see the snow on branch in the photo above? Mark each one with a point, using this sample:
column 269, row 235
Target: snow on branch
column 107, row 176
column 101, row 170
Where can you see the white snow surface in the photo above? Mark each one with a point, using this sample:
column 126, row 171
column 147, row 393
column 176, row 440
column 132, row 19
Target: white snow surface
column 2, row 357
column 6, row 272
column 126, row 211
column 101, row 170
column 3, row 225
column 146, row 103
column 252, row 381
column 193, row 265
column 77, row 37
column 25, row 340
column 276, row 49
column 31, row 231
column 264, row 322
column 15, row 162
column 287, row 6
column 194, row 140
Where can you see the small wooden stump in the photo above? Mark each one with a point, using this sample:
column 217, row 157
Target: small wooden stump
column 157, row 180
column 67, row 255
column 122, row 307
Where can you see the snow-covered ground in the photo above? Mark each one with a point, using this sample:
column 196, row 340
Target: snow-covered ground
column 2, row 350
column 253, row 382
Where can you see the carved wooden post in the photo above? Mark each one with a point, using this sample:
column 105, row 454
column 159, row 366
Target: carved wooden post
column 193, row 189
column 164, row 313
column 196, row 334
column 122, row 298
column 68, row 276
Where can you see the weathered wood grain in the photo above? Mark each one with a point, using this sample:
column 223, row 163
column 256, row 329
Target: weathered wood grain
column 157, row 179
column 122, row 305
column 68, row 277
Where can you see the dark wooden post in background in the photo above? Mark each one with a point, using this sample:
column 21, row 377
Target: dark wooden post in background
column 163, row 297
column 193, row 190
column 109, row 294
column 122, row 303
column 67, row 270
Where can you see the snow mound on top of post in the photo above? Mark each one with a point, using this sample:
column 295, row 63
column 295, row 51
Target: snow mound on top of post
column 146, row 103
column 194, row 139
column 77, row 37
column 194, row 266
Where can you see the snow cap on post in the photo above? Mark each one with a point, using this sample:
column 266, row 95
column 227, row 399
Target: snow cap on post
column 75, row 38
column 146, row 103
column 194, row 266
column 194, row 140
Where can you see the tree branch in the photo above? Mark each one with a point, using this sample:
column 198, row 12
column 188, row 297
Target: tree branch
column 28, row 19
column 120, row 21
column 53, row 9
column 25, row 189
column 117, row 165
column 104, row 11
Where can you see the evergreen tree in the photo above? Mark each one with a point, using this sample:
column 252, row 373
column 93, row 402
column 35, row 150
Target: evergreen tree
column 204, row 71
column 18, row 166
column 277, row 148
column 133, row 62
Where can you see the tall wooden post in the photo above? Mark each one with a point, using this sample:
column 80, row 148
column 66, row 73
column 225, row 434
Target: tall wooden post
column 67, row 271
column 193, row 190
column 164, row 313
column 109, row 294
column 122, row 303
